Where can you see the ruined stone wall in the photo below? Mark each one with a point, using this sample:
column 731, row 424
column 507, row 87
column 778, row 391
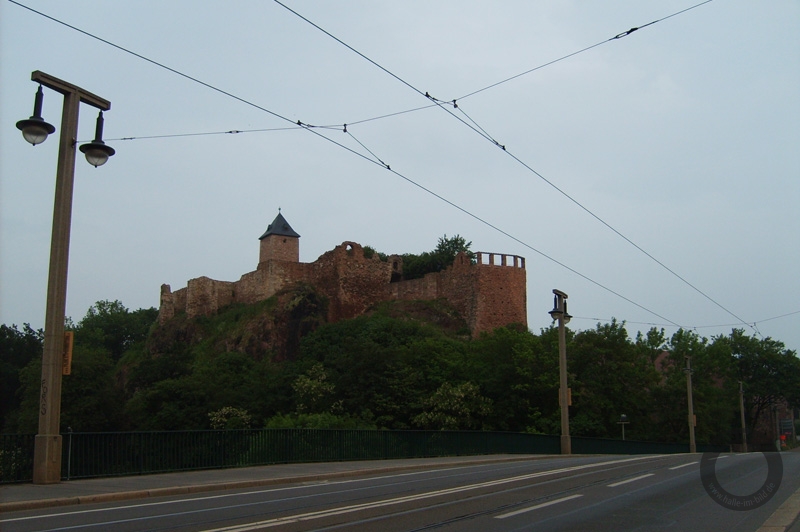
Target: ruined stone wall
column 270, row 277
column 206, row 296
column 352, row 282
column 488, row 294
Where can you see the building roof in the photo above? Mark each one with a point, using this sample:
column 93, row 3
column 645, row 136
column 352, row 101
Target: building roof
column 280, row 227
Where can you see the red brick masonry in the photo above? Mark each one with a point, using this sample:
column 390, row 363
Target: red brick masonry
column 489, row 293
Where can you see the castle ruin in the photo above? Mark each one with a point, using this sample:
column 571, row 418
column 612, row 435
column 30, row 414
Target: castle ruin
column 488, row 293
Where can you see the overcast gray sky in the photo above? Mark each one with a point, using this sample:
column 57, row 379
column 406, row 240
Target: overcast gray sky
column 682, row 136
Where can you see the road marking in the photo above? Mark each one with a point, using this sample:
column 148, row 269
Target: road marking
column 680, row 466
column 223, row 496
column 615, row 484
column 278, row 521
column 544, row 504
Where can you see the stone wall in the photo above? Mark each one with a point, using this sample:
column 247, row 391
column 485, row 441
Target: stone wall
column 489, row 293
column 501, row 293
column 352, row 282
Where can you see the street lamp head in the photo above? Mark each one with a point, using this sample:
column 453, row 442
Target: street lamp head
column 623, row 418
column 559, row 301
column 35, row 129
column 97, row 153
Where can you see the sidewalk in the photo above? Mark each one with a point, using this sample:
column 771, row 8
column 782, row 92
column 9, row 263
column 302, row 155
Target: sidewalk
column 15, row 497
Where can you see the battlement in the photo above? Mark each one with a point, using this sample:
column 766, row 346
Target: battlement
column 499, row 259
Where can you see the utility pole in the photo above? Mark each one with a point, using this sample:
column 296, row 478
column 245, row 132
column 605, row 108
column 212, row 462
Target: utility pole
column 688, row 370
column 560, row 313
column 47, row 445
column 741, row 411
column 623, row 420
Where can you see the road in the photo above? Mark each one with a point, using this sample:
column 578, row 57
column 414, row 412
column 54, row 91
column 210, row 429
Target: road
column 600, row 493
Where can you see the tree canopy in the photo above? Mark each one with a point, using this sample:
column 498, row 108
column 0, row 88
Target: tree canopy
column 394, row 368
column 442, row 256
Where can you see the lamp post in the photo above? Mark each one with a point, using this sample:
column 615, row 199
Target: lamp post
column 560, row 313
column 688, row 371
column 623, row 420
column 741, row 414
column 47, row 448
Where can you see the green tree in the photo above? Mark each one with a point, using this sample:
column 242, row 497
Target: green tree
column 323, row 420
column 713, row 391
column 111, row 326
column 516, row 373
column 17, row 349
column 611, row 377
column 229, row 418
column 312, row 391
column 416, row 266
column 90, row 401
column 382, row 368
column 459, row 407
column 92, row 396
column 447, row 249
column 770, row 374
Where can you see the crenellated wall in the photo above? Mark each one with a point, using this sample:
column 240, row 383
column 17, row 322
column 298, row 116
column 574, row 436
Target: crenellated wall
column 489, row 293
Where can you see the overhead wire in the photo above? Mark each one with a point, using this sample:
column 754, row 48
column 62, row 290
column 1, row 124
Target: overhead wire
column 694, row 327
column 582, row 50
column 151, row 61
column 191, row 78
column 482, row 132
column 375, row 159
column 207, row 133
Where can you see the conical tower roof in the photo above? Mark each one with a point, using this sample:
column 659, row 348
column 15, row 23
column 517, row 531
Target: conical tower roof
column 280, row 227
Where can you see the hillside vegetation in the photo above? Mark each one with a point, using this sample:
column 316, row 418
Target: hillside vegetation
column 404, row 365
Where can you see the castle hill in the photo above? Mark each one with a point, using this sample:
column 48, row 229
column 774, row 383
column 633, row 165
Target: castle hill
column 488, row 291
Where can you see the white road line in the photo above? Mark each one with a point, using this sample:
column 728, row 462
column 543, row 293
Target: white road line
column 544, row 504
column 223, row 496
column 615, row 484
column 682, row 465
column 409, row 498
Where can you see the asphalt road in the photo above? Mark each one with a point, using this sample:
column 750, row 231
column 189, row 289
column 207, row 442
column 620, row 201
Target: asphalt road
column 608, row 493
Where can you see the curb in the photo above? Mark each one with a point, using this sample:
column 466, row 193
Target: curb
column 784, row 517
column 17, row 506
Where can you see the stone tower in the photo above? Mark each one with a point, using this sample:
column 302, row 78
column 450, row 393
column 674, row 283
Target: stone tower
column 279, row 242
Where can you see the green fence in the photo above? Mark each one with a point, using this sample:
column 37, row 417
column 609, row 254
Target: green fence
column 87, row 455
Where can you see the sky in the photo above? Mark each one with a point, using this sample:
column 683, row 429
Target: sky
column 654, row 178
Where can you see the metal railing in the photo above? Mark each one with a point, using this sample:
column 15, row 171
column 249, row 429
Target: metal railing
column 108, row 454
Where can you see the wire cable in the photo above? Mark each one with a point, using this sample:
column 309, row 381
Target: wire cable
column 694, row 327
column 161, row 65
column 554, row 61
column 377, row 161
column 482, row 132
column 177, row 135
column 380, row 162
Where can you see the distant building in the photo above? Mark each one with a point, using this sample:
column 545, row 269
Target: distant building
column 489, row 293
